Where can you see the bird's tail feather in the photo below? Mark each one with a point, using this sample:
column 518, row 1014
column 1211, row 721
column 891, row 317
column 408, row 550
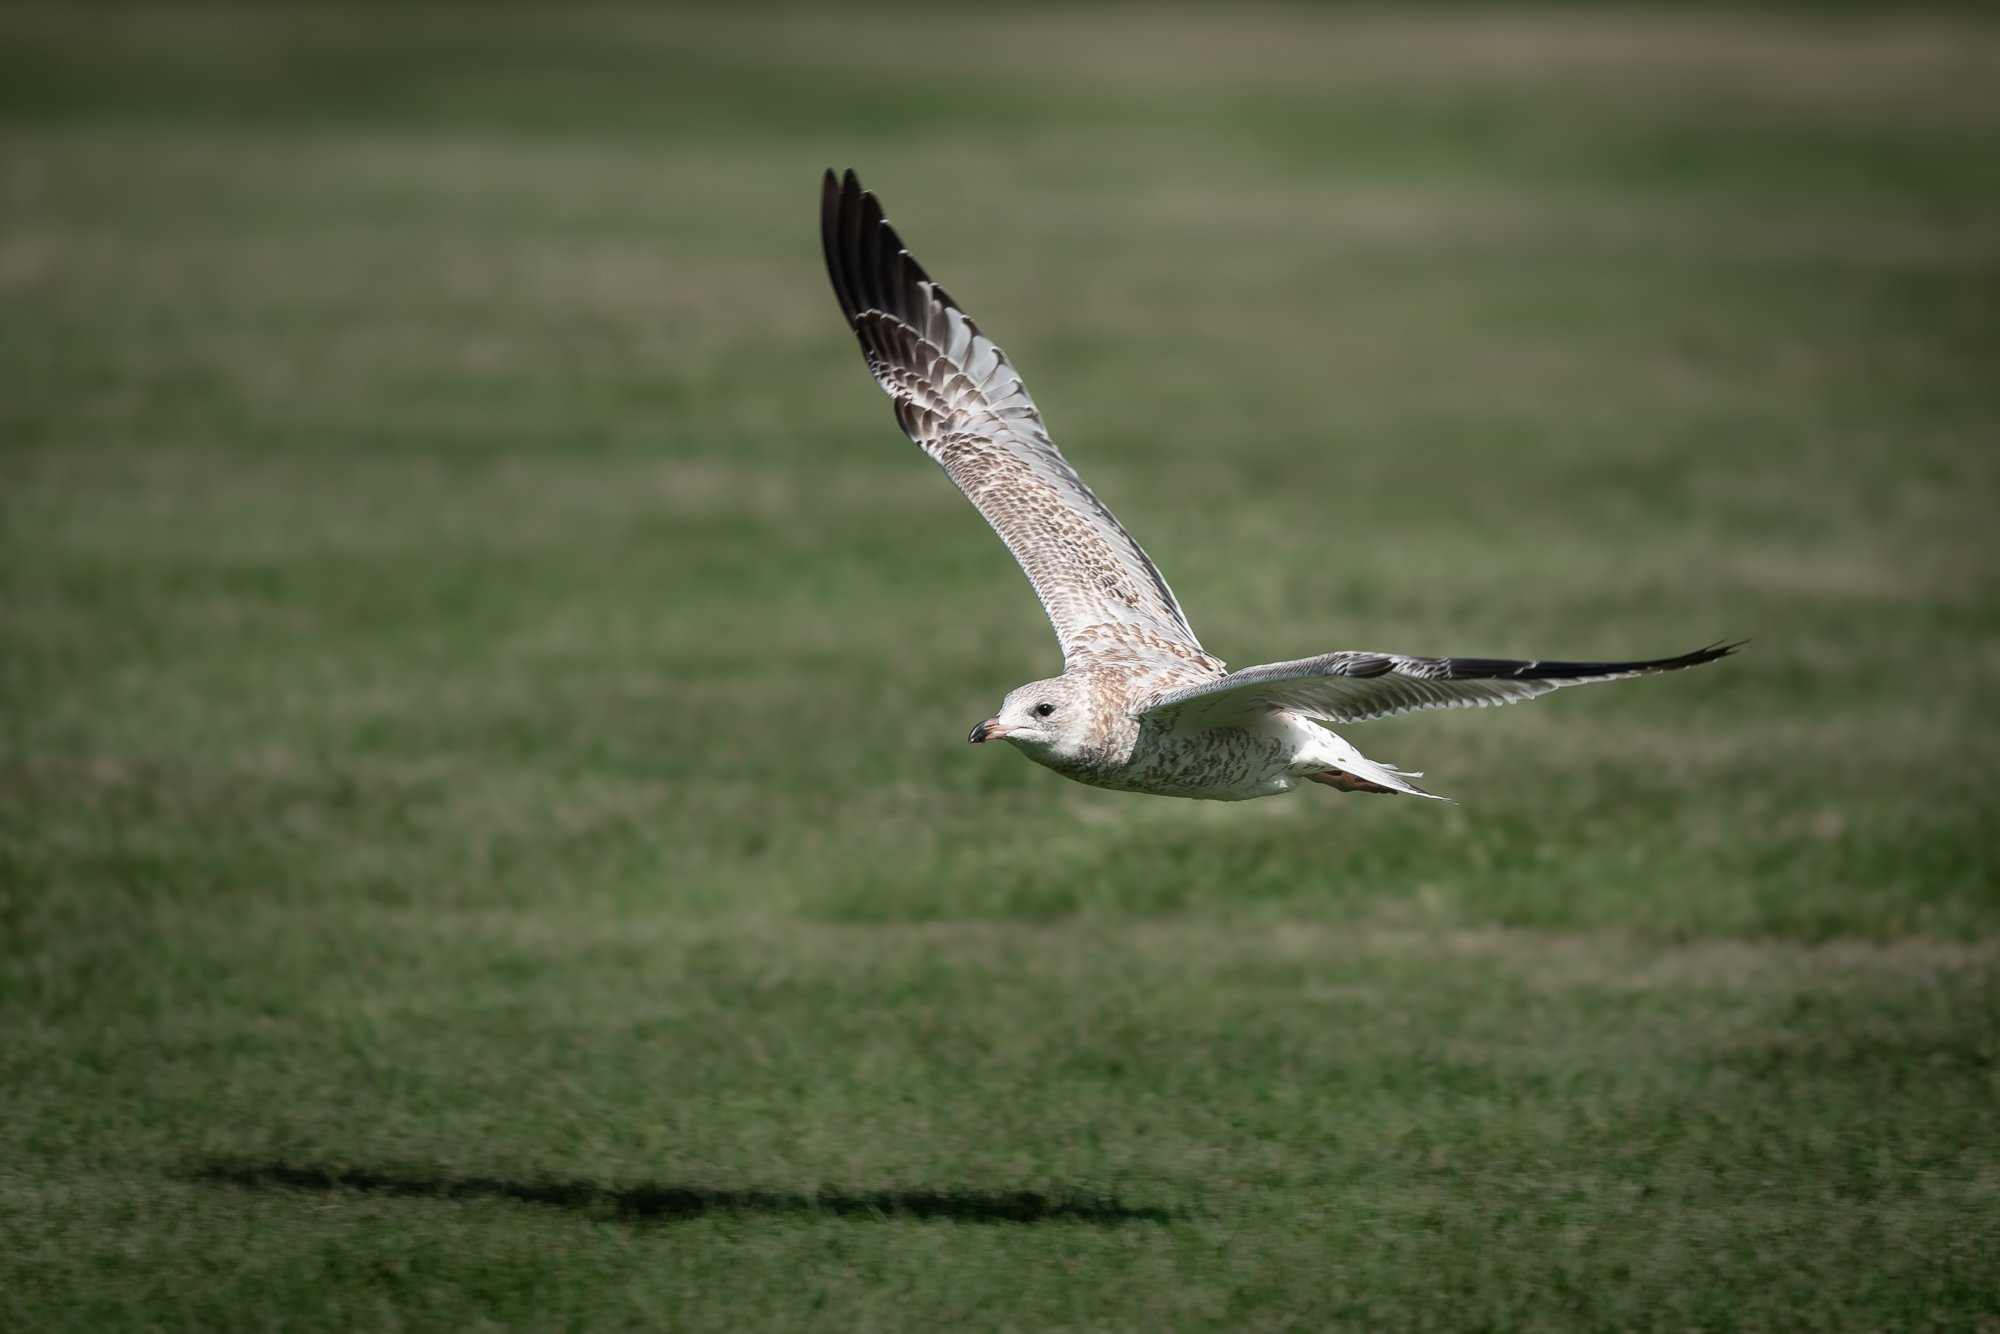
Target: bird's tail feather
column 1347, row 760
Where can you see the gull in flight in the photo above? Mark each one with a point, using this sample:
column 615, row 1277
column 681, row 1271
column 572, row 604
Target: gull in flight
column 1140, row 705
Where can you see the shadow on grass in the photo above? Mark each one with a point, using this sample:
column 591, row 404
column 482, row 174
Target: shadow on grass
column 650, row 1202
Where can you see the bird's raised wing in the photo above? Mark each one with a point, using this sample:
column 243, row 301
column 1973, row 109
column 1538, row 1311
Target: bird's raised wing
column 1354, row 687
column 957, row 397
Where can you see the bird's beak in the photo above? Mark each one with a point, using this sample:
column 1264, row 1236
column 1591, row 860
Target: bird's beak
column 987, row 731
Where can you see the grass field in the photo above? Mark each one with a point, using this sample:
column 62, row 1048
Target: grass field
column 486, row 832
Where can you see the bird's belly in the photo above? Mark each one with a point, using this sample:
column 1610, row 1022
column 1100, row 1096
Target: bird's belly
column 1220, row 764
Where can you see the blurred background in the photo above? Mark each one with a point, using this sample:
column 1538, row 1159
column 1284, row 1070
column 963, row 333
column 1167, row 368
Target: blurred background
column 485, row 827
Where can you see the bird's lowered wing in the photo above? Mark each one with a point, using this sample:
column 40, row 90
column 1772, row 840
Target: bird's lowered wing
column 957, row 396
column 1354, row 687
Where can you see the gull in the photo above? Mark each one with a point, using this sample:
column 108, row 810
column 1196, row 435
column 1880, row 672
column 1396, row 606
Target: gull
column 1140, row 705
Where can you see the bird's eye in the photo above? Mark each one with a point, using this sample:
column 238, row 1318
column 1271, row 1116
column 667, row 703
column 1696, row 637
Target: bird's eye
column 1044, row 710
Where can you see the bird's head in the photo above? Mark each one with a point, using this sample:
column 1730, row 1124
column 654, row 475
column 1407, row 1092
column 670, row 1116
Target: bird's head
column 1046, row 717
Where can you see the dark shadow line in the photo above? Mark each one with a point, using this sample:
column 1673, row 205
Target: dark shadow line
column 649, row 1202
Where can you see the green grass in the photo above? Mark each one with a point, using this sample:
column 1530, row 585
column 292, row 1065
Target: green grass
column 486, row 836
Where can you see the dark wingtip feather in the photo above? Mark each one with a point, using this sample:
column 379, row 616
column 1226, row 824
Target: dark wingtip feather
column 1558, row 670
column 866, row 260
column 833, row 208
